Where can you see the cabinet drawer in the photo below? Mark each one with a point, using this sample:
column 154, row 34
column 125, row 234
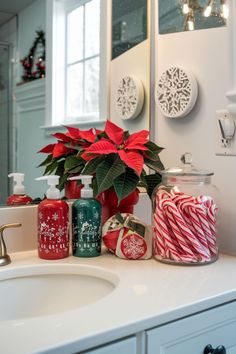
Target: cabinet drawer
column 126, row 346
column 192, row 334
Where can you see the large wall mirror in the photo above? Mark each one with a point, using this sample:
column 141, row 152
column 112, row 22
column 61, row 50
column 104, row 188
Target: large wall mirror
column 22, row 120
column 129, row 25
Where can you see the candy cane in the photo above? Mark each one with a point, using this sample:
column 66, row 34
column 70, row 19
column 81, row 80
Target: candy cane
column 211, row 216
column 189, row 215
column 158, row 239
column 164, row 233
column 182, row 240
column 171, row 209
column 200, row 226
column 201, row 230
column 211, row 238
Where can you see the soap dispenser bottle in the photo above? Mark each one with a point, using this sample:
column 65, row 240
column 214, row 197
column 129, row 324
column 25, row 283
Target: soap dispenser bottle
column 53, row 231
column 18, row 197
column 86, row 221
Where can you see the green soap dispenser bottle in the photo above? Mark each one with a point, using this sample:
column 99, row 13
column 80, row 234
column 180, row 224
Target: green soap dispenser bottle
column 86, row 221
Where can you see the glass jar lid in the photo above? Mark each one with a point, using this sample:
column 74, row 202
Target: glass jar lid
column 187, row 169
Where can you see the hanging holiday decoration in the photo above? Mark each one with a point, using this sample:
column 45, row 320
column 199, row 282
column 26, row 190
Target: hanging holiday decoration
column 34, row 63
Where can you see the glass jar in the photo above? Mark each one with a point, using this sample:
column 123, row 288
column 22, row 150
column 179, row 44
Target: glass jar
column 185, row 216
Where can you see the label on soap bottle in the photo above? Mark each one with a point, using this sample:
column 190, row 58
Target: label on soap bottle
column 86, row 228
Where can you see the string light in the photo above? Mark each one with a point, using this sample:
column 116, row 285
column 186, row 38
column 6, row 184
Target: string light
column 208, row 9
column 185, row 7
column 191, row 7
column 190, row 21
column 224, row 9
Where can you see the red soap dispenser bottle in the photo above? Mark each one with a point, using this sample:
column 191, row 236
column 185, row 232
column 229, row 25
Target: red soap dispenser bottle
column 53, row 230
column 18, row 197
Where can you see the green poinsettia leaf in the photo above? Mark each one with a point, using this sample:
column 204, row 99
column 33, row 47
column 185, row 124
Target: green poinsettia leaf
column 155, row 165
column 107, row 171
column 47, row 161
column 72, row 162
column 60, row 168
column 91, row 166
column 62, row 181
column 125, row 183
column 153, row 150
column 152, row 181
column 142, row 181
column 51, row 167
column 74, row 147
column 76, row 170
column 95, row 187
column 126, row 135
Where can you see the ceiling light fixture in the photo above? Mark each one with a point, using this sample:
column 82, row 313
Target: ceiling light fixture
column 192, row 9
column 208, row 10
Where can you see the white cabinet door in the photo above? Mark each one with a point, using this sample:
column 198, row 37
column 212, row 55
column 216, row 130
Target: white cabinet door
column 126, row 346
column 191, row 335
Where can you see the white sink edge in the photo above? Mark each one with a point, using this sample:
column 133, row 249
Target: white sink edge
column 66, row 268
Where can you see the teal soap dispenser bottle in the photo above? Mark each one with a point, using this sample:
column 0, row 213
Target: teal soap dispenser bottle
column 86, row 221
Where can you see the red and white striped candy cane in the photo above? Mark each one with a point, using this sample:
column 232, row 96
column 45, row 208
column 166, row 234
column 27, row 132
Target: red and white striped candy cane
column 211, row 217
column 200, row 229
column 211, row 238
column 186, row 233
column 164, row 233
column 168, row 207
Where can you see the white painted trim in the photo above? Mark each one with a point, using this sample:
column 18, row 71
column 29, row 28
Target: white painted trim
column 105, row 59
column 99, row 124
column 49, row 61
column 30, row 96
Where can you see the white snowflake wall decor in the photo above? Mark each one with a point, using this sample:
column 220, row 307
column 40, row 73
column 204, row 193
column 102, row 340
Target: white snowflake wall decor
column 176, row 92
column 129, row 97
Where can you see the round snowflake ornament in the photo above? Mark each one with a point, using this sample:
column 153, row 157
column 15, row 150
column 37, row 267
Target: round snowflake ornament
column 127, row 237
column 176, row 92
column 129, row 97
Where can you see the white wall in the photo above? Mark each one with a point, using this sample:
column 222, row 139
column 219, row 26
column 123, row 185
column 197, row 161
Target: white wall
column 206, row 54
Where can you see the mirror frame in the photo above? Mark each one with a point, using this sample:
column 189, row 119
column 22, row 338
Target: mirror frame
column 231, row 93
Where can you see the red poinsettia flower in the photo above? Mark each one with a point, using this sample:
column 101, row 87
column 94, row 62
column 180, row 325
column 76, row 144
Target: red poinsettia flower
column 74, row 137
column 113, row 156
column 128, row 149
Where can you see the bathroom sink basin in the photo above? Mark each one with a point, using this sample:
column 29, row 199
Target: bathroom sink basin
column 40, row 290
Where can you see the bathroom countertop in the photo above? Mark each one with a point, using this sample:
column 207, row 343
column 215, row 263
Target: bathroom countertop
column 148, row 293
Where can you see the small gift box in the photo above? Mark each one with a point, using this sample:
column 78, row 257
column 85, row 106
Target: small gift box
column 127, row 236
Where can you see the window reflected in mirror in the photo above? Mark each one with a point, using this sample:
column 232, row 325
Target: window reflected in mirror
column 82, row 63
column 129, row 25
column 189, row 15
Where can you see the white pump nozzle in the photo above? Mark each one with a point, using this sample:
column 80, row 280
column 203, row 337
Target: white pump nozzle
column 86, row 191
column 18, row 178
column 52, row 180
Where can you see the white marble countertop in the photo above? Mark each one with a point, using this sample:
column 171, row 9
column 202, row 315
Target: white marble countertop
column 148, row 294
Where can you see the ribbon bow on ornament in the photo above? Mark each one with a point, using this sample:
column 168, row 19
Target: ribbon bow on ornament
column 128, row 237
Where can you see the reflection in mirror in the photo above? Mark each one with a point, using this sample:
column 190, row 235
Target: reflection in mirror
column 129, row 20
column 129, row 25
column 188, row 15
column 5, row 120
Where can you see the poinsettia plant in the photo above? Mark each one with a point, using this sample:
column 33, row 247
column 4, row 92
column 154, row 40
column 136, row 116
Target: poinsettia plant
column 113, row 156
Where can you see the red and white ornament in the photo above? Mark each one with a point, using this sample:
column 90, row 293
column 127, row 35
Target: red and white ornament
column 125, row 241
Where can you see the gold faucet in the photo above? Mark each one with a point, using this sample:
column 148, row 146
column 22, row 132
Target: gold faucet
column 4, row 257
